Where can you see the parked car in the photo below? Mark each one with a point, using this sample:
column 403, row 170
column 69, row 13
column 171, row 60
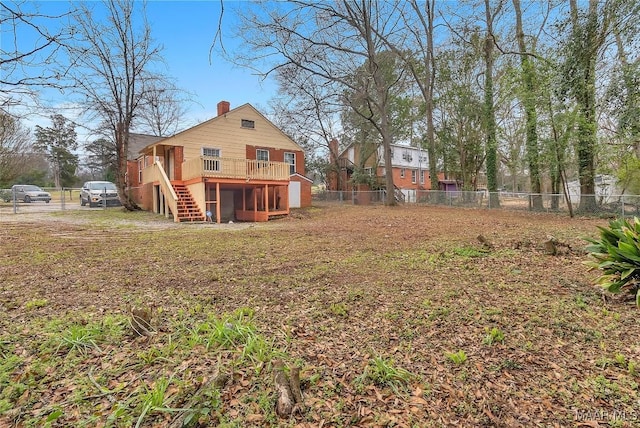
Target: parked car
column 99, row 193
column 29, row 193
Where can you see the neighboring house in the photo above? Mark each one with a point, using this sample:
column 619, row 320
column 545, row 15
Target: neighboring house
column 236, row 166
column 410, row 167
column 607, row 189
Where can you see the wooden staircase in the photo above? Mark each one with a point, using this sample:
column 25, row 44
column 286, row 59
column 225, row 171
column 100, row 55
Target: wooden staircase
column 188, row 211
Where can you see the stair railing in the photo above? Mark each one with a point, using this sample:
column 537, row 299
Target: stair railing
column 170, row 197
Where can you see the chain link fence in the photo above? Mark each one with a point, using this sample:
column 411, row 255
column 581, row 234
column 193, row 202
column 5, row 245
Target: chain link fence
column 61, row 200
column 610, row 205
column 598, row 205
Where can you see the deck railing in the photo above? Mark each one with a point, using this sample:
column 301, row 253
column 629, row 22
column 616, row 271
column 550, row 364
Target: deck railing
column 207, row 166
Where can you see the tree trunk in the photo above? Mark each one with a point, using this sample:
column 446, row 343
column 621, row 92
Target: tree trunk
column 122, row 143
column 529, row 104
column 382, row 105
column 490, row 117
column 585, row 94
column 430, row 72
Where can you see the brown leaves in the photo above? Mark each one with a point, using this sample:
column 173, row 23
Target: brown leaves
column 406, row 295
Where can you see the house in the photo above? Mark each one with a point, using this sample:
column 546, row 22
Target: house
column 410, row 168
column 236, row 166
column 607, row 189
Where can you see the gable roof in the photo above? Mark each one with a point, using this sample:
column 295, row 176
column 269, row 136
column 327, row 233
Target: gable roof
column 304, row 177
column 222, row 116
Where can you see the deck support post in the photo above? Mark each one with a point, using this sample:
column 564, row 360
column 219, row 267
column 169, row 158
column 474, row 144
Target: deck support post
column 218, row 203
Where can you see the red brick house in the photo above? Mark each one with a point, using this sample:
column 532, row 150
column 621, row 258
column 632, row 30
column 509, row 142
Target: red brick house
column 410, row 167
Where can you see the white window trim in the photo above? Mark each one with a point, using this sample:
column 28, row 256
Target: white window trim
column 202, row 149
column 262, row 150
column 211, row 164
column 293, row 155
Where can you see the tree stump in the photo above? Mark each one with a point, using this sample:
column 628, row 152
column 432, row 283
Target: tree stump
column 286, row 400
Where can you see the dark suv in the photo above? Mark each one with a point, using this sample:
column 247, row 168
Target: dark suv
column 99, row 194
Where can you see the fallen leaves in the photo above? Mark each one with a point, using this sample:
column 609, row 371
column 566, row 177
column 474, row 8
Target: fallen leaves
column 408, row 283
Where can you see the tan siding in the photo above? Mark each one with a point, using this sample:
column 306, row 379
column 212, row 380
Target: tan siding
column 226, row 134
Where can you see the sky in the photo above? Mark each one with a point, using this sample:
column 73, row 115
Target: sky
column 186, row 30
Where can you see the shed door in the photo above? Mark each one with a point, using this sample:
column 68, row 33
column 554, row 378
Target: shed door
column 294, row 194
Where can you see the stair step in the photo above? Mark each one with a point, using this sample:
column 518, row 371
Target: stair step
column 188, row 210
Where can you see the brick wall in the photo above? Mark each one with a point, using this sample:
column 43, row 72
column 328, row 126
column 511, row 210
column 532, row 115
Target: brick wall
column 305, row 191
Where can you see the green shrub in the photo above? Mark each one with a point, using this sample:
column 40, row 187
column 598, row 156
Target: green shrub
column 617, row 255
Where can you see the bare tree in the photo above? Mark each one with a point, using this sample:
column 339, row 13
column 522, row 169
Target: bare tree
column 161, row 109
column 112, row 70
column 330, row 41
column 27, row 66
column 307, row 111
column 418, row 31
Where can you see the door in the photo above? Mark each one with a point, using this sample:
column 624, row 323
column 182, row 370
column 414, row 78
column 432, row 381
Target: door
column 294, row 194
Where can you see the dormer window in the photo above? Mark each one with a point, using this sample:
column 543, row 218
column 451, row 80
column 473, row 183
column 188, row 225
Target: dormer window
column 248, row 124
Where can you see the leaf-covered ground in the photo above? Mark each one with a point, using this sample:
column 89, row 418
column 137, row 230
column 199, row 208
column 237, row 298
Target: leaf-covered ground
column 396, row 317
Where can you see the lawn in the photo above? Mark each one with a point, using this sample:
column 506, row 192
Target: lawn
column 394, row 316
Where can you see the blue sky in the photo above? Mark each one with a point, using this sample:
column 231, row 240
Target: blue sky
column 186, row 30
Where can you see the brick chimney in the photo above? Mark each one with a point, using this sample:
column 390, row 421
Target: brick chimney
column 223, row 107
column 333, row 150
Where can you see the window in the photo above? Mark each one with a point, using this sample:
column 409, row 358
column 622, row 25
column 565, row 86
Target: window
column 249, row 124
column 290, row 158
column 401, row 172
column 262, row 156
column 207, row 151
column 422, row 177
column 211, row 164
column 407, row 156
column 140, row 168
column 414, row 175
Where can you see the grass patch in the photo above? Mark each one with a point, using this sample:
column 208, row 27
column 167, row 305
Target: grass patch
column 383, row 372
